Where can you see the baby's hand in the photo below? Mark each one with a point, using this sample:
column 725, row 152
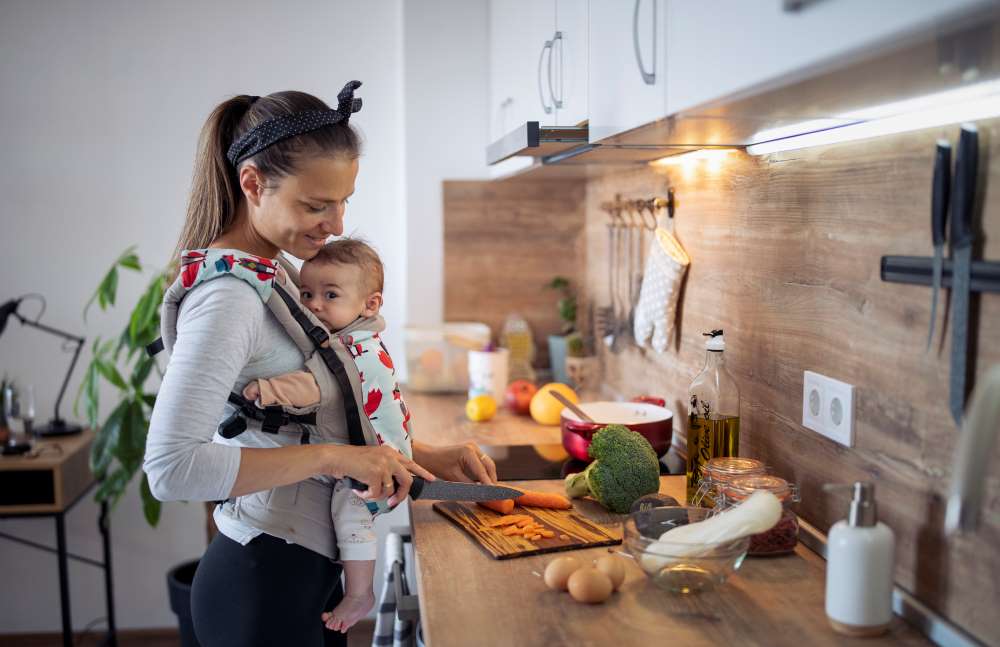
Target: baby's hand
column 251, row 391
column 351, row 609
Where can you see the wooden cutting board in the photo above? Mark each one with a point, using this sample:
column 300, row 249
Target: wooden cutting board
column 585, row 525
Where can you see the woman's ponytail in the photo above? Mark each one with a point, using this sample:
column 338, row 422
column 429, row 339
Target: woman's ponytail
column 215, row 187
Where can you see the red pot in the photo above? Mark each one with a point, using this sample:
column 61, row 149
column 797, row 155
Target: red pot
column 654, row 422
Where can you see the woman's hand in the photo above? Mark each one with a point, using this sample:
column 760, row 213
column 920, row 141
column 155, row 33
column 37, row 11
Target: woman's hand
column 465, row 462
column 376, row 466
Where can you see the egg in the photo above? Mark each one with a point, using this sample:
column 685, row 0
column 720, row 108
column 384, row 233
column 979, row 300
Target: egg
column 559, row 570
column 614, row 567
column 589, row 585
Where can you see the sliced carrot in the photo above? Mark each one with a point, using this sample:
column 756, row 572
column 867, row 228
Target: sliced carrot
column 511, row 530
column 508, row 520
column 505, row 506
column 534, row 537
column 548, row 534
column 563, row 536
column 544, row 500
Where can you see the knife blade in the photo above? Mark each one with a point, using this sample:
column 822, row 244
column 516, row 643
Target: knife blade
column 439, row 490
column 962, row 205
column 939, row 216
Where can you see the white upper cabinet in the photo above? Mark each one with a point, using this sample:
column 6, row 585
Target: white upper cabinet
column 570, row 70
column 717, row 48
column 538, row 63
column 628, row 65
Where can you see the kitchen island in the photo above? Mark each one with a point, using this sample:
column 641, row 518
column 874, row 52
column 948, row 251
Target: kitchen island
column 468, row 598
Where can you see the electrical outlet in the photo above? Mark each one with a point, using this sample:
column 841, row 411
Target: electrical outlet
column 828, row 407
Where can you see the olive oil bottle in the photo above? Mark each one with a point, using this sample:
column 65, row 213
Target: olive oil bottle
column 713, row 414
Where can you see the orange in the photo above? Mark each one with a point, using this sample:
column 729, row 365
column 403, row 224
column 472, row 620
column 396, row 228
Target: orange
column 545, row 409
column 480, row 408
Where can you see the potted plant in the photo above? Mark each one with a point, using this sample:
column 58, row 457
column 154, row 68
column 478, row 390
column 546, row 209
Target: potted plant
column 120, row 441
column 567, row 312
column 582, row 365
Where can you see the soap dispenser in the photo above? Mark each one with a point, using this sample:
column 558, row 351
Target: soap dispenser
column 859, row 567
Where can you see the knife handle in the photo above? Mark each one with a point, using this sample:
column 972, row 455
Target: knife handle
column 415, row 489
column 940, row 197
column 964, row 188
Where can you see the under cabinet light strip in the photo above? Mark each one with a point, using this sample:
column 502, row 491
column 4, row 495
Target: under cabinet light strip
column 974, row 102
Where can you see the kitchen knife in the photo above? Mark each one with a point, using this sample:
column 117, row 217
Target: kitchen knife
column 450, row 490
column 939, row 216
column 962, row 204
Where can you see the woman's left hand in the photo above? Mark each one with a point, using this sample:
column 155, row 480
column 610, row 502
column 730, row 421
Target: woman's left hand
column 465, row 462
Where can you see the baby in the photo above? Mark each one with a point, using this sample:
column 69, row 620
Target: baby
column 342, row 286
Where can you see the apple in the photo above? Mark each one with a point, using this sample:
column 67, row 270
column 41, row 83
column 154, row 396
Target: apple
column 518, row 396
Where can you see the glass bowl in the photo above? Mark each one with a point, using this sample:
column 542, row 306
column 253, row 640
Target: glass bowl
column 680, row 567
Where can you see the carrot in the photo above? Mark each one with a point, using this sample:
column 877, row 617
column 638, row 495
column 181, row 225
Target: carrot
column 508, row 520
column 548, row 534
column 512, row 530
column 544, row 500
column 505, row 506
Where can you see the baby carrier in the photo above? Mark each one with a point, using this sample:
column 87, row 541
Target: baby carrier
column 299, row 512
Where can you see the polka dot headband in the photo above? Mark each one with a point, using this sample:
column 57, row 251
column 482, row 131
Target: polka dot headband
column 274, row 130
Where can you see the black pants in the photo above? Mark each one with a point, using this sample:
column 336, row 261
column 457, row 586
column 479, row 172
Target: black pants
column 267, row 593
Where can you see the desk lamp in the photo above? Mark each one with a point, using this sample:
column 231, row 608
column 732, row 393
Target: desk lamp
column 57, row 426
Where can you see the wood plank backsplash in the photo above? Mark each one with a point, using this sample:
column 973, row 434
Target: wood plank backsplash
column 504, row 241
column 785, row 256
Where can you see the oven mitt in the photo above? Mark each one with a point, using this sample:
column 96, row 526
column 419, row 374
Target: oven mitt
column 666, row 264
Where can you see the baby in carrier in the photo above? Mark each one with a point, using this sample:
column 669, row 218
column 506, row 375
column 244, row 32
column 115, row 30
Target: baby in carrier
column 342, row 285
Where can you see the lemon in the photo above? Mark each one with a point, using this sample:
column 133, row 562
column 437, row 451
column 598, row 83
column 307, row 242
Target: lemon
column 545, row 409
column 480, row 408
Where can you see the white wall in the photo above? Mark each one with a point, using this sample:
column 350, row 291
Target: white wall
column 447, row 108
column 100, row 108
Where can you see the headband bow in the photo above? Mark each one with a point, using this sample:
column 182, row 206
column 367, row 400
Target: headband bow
column 276, row 129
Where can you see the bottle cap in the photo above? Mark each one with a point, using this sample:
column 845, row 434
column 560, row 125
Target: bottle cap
column 716, row 341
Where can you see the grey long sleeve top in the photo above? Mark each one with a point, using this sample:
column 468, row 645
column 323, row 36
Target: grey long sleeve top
column 226, row 337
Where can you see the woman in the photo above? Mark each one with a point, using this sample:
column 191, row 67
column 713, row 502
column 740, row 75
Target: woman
column 273, row 174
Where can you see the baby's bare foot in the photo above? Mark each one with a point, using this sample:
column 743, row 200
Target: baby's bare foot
column 351, row 609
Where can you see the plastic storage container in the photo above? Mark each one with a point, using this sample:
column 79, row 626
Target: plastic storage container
column 784, row 536
column 718, row 472
column 437, row 357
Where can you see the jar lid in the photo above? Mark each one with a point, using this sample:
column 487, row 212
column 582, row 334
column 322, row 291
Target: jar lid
column 743, row 486
column 728, row 468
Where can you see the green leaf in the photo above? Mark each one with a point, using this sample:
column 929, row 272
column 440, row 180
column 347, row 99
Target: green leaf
column 113, row 487
column 141, row 371
column 146, row 310
column 131, row 440
column 106, row 440
column 150, row 505
column 131, row 261
column 111, row 374
column 149, row 399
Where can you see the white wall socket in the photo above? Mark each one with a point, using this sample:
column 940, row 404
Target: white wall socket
column 828, row 407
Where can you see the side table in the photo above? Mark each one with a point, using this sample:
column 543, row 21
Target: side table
column 48, row 482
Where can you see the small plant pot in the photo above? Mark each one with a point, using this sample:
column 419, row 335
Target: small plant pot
column 179, row 580
column 557, row 358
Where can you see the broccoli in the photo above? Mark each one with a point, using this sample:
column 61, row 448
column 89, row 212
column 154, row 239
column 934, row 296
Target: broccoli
column 625, row 468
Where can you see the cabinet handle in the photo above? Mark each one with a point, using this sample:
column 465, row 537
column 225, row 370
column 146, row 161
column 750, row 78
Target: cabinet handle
column 648, row 77
column 541, row 94
column 557, row 38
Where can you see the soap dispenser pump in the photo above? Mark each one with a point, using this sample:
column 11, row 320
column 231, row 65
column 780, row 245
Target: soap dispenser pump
column 859, row 566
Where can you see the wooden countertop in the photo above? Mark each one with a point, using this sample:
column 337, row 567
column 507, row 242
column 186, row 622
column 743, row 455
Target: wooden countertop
column 468, row 598
column 440, row 420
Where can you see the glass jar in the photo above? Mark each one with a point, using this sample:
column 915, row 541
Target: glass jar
column 717, row 472
column 784, row 536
